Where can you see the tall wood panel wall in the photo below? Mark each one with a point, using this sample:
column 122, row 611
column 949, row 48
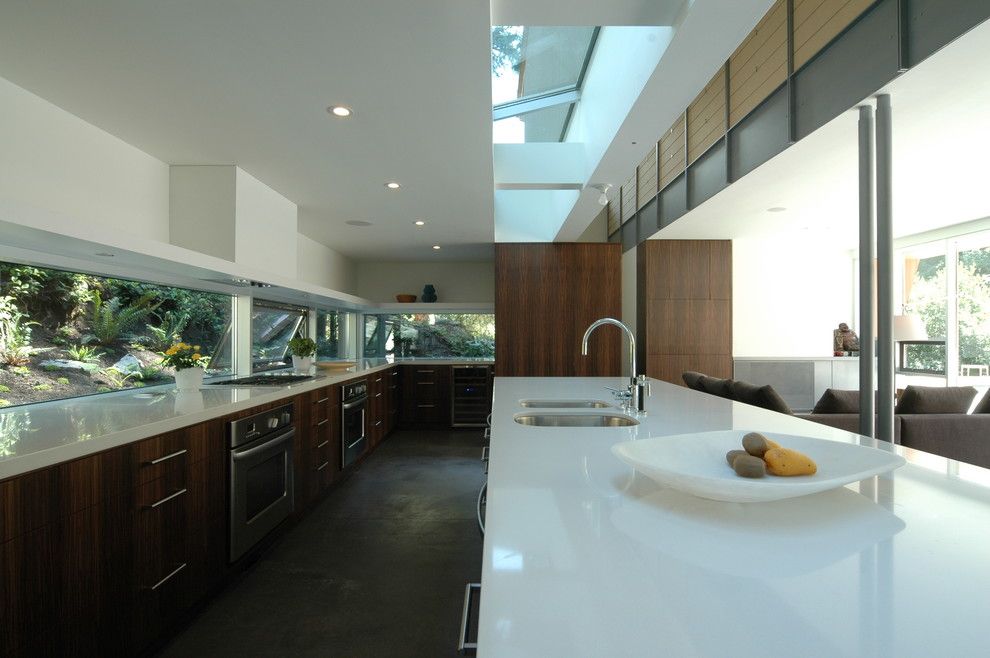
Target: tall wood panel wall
column 546, row 295
column 684, row 307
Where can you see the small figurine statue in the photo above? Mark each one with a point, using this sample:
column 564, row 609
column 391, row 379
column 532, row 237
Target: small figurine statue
column 844, row 340
column 429, row 293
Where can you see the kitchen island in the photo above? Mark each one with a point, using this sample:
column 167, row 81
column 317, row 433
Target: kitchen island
column 585, row 557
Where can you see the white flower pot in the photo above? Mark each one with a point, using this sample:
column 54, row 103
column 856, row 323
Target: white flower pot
column 189, row 379
column 302, row 364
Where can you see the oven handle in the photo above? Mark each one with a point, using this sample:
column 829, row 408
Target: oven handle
column 355, row 402
column 282, row 438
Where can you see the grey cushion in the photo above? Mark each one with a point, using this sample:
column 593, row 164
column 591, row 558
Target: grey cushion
column 848, row 422
column 964, row 437
column 719, row 387
column 837, row 401
column 935, row 400
column 984, row 405
column 691, row 379
column 764, row 397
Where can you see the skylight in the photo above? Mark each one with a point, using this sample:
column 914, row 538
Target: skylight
column 536, row 80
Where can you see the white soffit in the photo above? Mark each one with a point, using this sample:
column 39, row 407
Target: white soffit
column 586, row 12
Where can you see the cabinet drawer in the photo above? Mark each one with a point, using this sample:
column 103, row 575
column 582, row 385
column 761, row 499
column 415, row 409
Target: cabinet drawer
column 159, row 456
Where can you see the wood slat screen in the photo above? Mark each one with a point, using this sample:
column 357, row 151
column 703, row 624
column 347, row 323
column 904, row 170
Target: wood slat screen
column 671, row 152
column 759, row 64
column 706, row 117
column 647, row 173
column 612, row 209
column 817, row 22
column 629, row 198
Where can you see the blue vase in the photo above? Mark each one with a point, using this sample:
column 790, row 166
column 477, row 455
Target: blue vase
column 429, row 293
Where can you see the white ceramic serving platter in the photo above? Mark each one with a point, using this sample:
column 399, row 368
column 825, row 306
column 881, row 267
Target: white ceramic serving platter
column 695, row 464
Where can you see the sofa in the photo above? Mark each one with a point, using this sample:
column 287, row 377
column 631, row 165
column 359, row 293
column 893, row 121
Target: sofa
column 942, row 428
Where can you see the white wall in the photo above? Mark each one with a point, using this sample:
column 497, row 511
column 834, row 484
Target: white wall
column 202, row 208
column 321, row 265
column 267, row 227
column 788, row 296
column 454, row 281
column 52, row 160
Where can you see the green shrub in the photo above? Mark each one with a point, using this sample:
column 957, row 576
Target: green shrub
column 108, row 321
column 103, row 389
column 20, row 370
column 116, row 378
column 50, row 368
column 4, row 389
column 63, row 381
column 169, row 331
column 84, row 353
column 15, row 334
column 42, row 387
column 4, row 403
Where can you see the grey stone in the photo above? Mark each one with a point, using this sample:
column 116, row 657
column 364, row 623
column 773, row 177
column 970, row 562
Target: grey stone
column 68, row 364
column 128, row 363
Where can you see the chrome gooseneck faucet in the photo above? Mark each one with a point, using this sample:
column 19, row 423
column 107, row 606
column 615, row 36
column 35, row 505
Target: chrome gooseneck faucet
column 639, row 386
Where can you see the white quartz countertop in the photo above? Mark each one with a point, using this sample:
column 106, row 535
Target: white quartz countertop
column 38, row 435
column 585, row 557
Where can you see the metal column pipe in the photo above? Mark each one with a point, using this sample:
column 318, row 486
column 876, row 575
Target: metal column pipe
column 866, row 279
column 885, row 273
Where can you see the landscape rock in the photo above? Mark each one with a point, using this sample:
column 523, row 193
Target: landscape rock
column 128, row 363
column 68, row 364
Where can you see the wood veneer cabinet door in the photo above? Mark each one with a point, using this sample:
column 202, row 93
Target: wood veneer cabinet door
column 546, row 296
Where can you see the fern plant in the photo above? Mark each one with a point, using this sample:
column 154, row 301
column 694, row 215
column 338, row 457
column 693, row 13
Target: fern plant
column 108, row 321
column 116, row 378
column 168, row 332
column 15, row 334
column 83, row 353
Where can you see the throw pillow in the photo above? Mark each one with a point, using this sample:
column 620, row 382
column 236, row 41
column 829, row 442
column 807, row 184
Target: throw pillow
column 719, row 387
column 764, row 397
column 837, row 401
column 691, row 379
column 935, row 400
column 984, row 406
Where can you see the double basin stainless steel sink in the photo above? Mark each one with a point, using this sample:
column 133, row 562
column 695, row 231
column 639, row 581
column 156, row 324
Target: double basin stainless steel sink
column 571, row 419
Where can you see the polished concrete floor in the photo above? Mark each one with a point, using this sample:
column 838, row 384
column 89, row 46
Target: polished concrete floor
column 378, row 568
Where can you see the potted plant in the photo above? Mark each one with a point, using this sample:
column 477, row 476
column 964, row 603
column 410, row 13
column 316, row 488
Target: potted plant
column 302, row 350
column 188, row 364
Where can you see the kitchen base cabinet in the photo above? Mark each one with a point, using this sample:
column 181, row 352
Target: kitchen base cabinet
column 107, row 579
column 425, row 397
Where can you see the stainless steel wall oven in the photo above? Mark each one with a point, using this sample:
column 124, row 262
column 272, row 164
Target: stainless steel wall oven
column 260, row 476
column 354, row 399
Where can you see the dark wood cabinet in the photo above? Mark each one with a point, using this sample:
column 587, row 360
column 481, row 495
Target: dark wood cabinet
column 546, row 296
column 114, row 546
column 393, row 396
column 425, row 396
column 377, row 409
column 317, row 445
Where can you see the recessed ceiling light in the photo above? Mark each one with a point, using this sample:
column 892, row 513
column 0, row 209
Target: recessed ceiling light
column 357, row 222
column 105, row 254
column 339, row 111
column 436, row 246
column 419, row 222
column 392, row 185
column 776, row 209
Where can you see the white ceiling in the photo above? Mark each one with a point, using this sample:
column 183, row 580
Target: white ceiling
column 940, row 146
column 247, row 82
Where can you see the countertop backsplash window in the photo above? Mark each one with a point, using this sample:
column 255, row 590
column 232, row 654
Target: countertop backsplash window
column 334, row 335
column 66, row 334
column 430, row 335
column 273, row 325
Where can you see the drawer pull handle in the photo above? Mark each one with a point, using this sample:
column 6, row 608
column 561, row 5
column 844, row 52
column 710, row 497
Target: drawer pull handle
column 465, row 645
column 426, row 406
column 166, row 499
column 484, row 454
column 323, row 465
column 378, row 395
column 378, row 380
column 378, row 423
column 168, row 577
column 322, row 400
column 425, row 383
column 166, row 457
column 429, row 370
column 323, row 444
column 323, row 422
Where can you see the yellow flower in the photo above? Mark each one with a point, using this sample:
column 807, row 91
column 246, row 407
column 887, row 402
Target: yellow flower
column 196, row 357
column 172, row 350
column 196, row 347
